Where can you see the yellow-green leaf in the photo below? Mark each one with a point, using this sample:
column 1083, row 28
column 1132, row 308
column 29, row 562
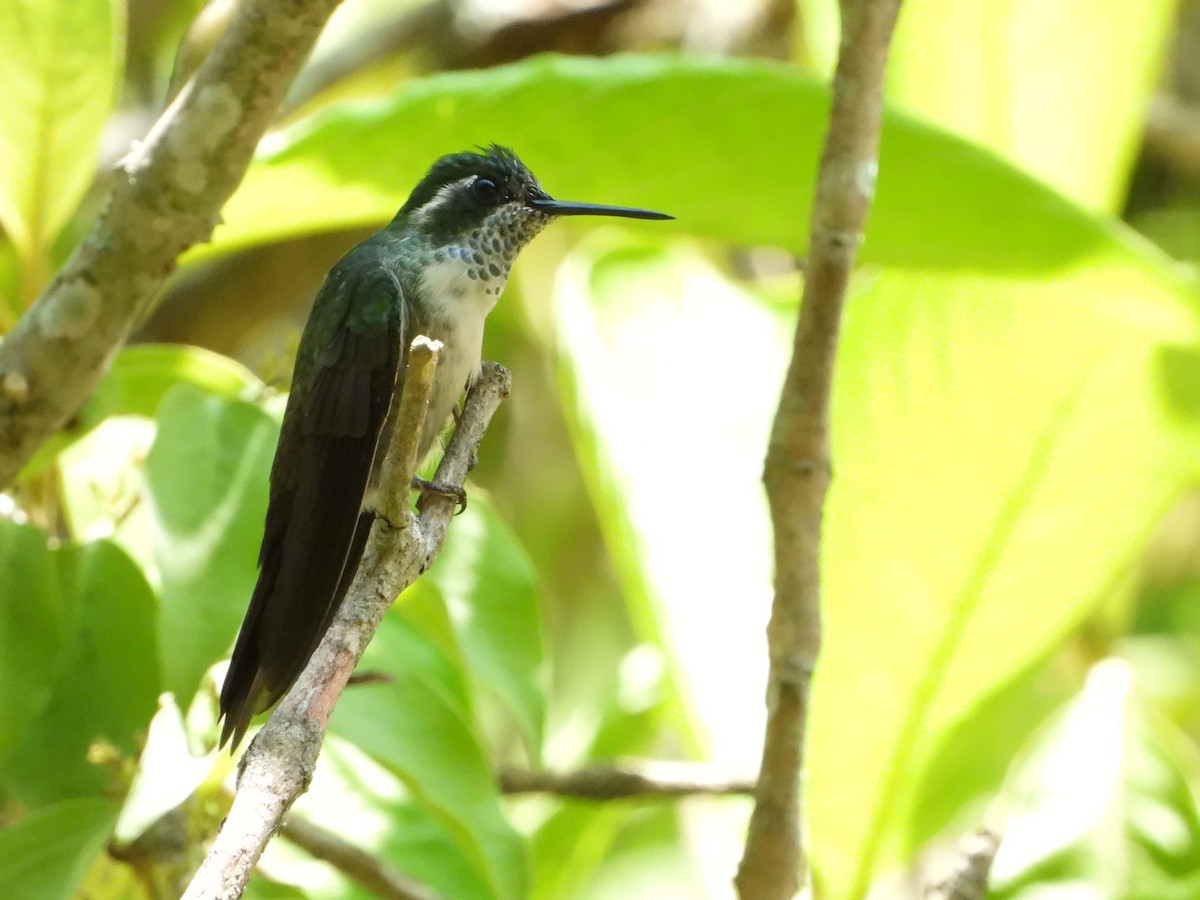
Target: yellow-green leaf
column 59, row 63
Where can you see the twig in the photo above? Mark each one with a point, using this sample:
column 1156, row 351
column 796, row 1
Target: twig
column 166, row 198
column 636, row 778
column 358, row 865
column 797, row 470
column 1173, row 134
column 280, row 761
column 969, row 876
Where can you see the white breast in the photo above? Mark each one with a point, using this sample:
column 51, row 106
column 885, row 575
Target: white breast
column 455, row 308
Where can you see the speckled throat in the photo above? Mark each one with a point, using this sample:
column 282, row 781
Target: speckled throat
column 488, row 252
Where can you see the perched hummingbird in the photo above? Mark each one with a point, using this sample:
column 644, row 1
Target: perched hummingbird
column 437, row 269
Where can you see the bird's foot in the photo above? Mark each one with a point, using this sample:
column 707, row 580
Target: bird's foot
column 452, row 491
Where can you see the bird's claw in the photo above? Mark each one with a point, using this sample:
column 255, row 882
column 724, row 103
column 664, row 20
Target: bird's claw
column 442, row 488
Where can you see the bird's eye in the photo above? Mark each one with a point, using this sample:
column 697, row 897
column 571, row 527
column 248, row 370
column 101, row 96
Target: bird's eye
column 484, row 189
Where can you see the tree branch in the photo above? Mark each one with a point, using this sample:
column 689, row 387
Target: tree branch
column 968, row 879
column 280, row 761
column 166, row 198
column 634, row 778
column 378, row 878
column 797, row 470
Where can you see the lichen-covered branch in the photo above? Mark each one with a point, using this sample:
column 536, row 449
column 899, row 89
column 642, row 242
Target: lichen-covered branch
column 167, row 196
column 279, row 762
column 798, row 469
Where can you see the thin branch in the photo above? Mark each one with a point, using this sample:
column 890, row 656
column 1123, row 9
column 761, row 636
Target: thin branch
column 635, row 778
column 281, row 759
column 166, row 198
column 1173, row 134
column 358, row 865
column 798, row 470
column 968, row 877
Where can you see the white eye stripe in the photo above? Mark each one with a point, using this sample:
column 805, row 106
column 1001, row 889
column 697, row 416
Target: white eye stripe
column 442, row 196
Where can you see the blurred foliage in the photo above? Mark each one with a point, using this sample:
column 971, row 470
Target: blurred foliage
column 1016, row 408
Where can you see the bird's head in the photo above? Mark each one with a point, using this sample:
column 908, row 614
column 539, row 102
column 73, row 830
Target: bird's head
column 493, row 193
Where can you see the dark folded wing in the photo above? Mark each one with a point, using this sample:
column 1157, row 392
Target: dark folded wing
column 345, row 378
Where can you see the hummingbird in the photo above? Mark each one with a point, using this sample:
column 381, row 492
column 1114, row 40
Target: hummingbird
column 436, row 269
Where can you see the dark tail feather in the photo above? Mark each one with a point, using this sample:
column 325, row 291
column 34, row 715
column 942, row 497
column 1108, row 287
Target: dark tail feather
column 269, row 657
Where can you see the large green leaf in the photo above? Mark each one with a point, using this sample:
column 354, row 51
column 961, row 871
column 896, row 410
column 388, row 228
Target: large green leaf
column 729, row 147
column 142, row 374
column 58, row 79
column 488, row 586
column 136, row 382
column 1059, row 88
column 108, row 682
column 419, row 724
column 34, row 630
column 45, row 855
column 1104, row 805
column 206, row 488
column 1001, row 445
column 636, row 323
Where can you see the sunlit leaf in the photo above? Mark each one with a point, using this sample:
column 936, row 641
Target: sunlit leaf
column 101, row 477
column 142, row 374
column 47, row 853
column 1059, row 88
column 167, row 773
column 733, row 156
column 419, row 725
column 991, row 481
column 367, row 805
column 206, row 490
column 136, row 382
column 668, row 462
column 1104, row 805
column 488, row 586
column 58, row 79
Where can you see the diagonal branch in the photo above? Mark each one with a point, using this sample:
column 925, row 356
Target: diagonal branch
column 279, row 763
column 166, row 198
column 798, row 470
column 368, row 871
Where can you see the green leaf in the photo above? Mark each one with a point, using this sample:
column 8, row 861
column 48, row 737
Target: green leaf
column 141, row 375
column 733, row 156
column 206, row 489
column 101, row 479
column 136, row 382
column 34, row 630
column 370, row 807
column 632, row 320
column 992, row 479
column 419, row 725
column 1103, row 805
column 1028, row 81
column 46, row 854
column 108, row 683
column 489, row 589
column 58, row 79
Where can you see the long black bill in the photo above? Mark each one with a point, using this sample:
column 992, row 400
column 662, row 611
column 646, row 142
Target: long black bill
column 567, row 208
